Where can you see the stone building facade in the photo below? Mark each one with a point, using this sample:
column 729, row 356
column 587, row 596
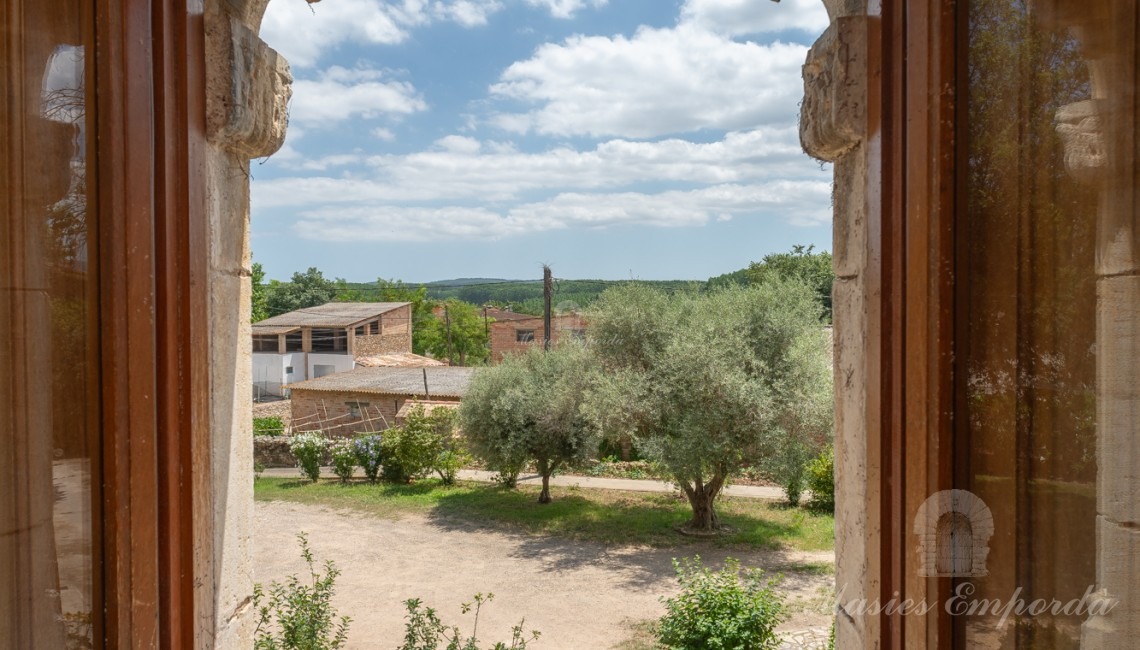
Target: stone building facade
column 370, row 399
column 520, row 334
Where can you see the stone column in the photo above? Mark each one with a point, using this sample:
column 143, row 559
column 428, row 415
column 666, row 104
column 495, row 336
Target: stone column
column 832, row 127
column 248, row 89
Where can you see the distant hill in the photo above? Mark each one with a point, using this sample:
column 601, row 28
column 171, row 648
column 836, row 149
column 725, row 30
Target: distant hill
column 525, row 296
column 463, row 282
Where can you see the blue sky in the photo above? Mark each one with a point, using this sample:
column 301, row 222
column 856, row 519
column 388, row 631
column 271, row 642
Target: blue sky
column 612, row 139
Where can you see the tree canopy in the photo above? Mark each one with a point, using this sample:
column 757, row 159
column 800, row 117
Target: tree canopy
column 529, row 408
column 802, row 264
column 710, row 383
column 466, row 344
column 307, row 289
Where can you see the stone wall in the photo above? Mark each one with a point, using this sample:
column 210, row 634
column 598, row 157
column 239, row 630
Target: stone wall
column 833, row 123
column 383, row 344
column 247, row 92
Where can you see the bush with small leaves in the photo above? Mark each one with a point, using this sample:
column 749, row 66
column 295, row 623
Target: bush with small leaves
column 268, row 426
column 448, row 464
column 343, row 459
column 309, row 449
column 297, row 616
column 413, row 450
column 423, row 629
column 821, row 480
column 409, row 453
column 369, row 454
column 730, row 609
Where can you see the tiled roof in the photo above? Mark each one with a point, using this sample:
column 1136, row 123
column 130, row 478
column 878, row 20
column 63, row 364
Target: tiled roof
column 429, row 406
column 399, row 360
column 332, row 314
column 442, row 381
column 273, row 330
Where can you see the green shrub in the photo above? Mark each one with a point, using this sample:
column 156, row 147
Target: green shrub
column 369, row 450
column 821, row 480
column 728, row 609
column 268, row 426
column 423, row 629
column 407, row 453
column 309, row 449
column 507, row 474
column 788, row 467
column 296, row 616
column 448, row 464
column 413, row 450
column 343, row 459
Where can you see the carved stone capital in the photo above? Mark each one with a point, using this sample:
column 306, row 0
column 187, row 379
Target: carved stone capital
column 1080, row 126
column 248, row 87
column 833, row 116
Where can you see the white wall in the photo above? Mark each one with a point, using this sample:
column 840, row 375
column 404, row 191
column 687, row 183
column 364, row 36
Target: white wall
column 341, row 362
column 269, row 371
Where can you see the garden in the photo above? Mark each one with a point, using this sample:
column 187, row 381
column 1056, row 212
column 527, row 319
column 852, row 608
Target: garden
column 658, row 375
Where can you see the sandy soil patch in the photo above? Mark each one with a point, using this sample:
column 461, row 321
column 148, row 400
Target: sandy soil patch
column 580, row 595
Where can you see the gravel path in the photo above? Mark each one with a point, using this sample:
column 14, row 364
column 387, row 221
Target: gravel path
column 580, row 595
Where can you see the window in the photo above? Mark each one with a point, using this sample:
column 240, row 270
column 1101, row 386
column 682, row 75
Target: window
column 524, row 336
column 356, row 409
column 288, row 370
column 51, row 487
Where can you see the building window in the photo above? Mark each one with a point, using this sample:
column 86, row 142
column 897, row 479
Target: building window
column 356, row 409
column 524, row 336
column 288, row 370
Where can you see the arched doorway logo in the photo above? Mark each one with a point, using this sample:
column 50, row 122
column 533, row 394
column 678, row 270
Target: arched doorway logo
column 954, row 529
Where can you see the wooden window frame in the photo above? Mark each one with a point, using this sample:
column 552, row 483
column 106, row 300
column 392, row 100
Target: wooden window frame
column 913, row 56
column 150, row 107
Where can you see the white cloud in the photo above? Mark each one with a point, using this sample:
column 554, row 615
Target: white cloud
column 565, row 8
column 796, row 201
column 343, row 93
column 383, row 134
column 462, row 168
column 466, row 12
column 660, row 81
column 741, row 17
column 303, row 32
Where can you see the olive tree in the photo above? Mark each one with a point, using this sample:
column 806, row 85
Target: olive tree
column 529, row 408
column 710, row 383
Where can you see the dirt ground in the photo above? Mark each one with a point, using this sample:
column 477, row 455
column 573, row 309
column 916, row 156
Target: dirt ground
column 579, row 595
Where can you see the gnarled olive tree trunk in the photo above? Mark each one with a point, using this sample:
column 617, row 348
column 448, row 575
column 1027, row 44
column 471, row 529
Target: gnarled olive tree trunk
column 701, row 497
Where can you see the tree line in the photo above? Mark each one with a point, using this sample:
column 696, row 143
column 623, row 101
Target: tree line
column 463, row 299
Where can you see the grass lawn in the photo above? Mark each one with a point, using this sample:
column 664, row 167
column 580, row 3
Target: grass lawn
column 607, row 516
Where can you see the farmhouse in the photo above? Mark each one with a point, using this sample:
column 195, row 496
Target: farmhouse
column 513, row 332
column 318, row 341
column 373, row 398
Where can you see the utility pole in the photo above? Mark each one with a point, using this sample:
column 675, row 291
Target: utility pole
column 447, row 320
column 547, row 294
column 486, row 328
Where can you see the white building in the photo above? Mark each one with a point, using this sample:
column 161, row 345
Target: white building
column 318, row 341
